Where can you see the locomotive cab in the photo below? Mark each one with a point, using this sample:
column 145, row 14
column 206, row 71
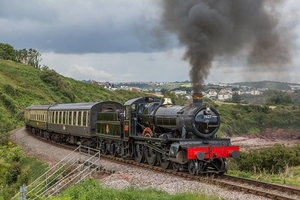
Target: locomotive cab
column 135, row 110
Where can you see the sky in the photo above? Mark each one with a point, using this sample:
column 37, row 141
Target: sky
column 122, row 41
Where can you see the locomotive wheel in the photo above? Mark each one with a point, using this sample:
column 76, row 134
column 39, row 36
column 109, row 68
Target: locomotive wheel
column 117, row 149
column 112, row 149
column 164, row 162
column 151, row 156
column 104, row 147
column 139, row 153
column 193, row 166
column 175, row 167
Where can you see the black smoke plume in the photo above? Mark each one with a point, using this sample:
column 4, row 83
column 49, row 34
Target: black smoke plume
column 209, row 28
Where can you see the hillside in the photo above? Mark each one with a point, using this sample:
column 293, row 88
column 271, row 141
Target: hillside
column 22, row 86
column 272, row 85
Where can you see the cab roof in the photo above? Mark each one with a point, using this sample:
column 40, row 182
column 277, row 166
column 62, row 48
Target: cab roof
column 142, row 100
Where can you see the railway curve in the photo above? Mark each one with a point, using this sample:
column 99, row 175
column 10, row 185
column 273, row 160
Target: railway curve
column 119, row 173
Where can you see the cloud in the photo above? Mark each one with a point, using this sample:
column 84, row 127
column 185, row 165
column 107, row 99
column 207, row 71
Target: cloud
column 120, row 67
column 112, row 40
column 72, row 26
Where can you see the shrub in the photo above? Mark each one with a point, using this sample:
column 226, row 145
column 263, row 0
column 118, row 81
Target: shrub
column 272, row 160
column 12, row 173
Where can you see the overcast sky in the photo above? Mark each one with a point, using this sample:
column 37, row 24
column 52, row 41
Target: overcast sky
column 114, row 40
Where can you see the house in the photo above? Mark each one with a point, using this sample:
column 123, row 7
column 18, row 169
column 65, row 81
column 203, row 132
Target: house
column 225, row 94
column 211, row 93
column 179, row 92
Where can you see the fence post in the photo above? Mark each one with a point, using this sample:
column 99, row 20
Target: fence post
column 23, row 192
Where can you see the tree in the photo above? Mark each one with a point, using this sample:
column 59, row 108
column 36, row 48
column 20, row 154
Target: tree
column 34, row 58
column 21, row 56
column 297, row 91
column 29, row 57
column 236, row 98
column 163, row 91
column 276, row 97
column 7, row 52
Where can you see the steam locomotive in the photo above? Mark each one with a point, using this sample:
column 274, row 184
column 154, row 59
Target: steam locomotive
column 146, row 129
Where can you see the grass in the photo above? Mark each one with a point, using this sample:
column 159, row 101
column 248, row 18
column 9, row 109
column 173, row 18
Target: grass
column 290, row 177
column 31, row 169
column 92, row 189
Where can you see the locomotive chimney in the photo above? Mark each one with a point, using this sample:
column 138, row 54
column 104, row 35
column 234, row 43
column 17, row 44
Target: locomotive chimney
column 197, row 99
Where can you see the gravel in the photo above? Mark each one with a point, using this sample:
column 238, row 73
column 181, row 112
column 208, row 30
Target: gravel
column 125, row 175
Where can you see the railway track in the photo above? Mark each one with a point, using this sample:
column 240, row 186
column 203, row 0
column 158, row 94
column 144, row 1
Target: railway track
column 264, row 189
column 258, row 188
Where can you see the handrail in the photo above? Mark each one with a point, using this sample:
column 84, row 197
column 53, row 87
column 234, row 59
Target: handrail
column 57, row 171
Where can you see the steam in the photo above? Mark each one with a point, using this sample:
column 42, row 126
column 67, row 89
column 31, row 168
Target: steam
column 209, row 28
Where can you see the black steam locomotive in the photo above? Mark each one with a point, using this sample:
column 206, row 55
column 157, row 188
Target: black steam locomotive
column 146, row 129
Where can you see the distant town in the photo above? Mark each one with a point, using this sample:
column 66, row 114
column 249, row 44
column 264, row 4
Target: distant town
column 216, row 91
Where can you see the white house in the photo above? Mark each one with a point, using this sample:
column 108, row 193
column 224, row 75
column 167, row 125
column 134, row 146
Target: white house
column 224, row 94
column 211, row 93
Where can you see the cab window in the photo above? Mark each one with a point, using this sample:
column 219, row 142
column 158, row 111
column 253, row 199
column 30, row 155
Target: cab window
column 127, row 113
column 133, row 108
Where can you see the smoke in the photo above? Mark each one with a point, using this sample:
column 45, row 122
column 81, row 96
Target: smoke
column 210, row 28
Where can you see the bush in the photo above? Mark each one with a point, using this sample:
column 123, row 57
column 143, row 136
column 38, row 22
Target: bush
column 12, row 173
column 253, row 119
column 277, row 97
column 58, row 85
column 272, row 160
column 9, row 89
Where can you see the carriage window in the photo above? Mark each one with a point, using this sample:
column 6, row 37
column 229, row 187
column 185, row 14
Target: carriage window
column 70, row 118
column 50, row 117
column 79, row 118
column 56, row 117
column 59, row 117
column 53, row 117
column 87, row 118
column 84, row 118
column 65, row 117
column 74, row 118
column 62, row 120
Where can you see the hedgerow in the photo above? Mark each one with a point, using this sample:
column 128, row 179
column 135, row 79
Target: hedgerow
column 272, row 160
